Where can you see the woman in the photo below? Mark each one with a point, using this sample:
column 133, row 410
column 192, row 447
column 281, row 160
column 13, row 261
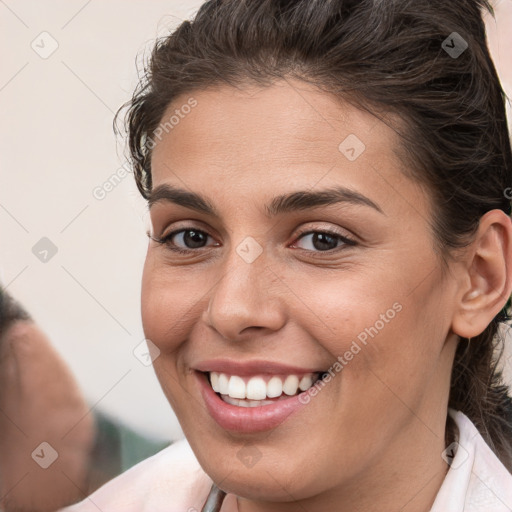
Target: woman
column 329, row 259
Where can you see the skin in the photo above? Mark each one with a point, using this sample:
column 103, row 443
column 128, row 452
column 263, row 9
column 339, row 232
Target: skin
column 372, row 438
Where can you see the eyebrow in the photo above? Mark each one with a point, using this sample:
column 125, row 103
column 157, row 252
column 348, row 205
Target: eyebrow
column 285, row 203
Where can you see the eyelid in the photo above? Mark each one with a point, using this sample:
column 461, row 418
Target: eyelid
column 183, row 225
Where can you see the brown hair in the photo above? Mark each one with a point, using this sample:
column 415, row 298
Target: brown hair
column 10, row 312
column 384, row 56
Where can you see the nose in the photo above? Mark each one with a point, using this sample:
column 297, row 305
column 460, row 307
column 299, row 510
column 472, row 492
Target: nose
column 246, row 300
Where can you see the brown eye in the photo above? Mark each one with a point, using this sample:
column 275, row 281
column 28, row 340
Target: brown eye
column 191, row 238
column 322, row 241
column 185, row 240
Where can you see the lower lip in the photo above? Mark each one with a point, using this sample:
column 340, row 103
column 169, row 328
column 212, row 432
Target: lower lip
column 246, row 419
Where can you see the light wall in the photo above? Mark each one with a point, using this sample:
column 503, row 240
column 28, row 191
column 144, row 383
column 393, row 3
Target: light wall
column 56, row 148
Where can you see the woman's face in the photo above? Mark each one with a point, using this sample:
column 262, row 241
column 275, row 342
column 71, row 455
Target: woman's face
column 262, row 293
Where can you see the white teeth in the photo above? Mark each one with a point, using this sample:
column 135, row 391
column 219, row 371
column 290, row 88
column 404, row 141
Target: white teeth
column 258, row 388
column 306, row 382
column 245, row 403
column 223, row 384
column 274, row 387
column 291, row 384
column 236, row 387
column 214, row 380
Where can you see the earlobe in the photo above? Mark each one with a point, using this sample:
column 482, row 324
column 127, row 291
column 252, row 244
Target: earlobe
column 488, row 278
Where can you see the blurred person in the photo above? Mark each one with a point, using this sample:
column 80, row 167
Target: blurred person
column 53, row 448
column 46, row 433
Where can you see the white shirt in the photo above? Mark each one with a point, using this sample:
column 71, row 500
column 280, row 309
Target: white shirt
column 173, row 481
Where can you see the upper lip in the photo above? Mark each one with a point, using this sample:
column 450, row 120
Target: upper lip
column 254, row 367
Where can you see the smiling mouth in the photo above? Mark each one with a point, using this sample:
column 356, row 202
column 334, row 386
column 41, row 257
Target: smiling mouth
column 259, row 390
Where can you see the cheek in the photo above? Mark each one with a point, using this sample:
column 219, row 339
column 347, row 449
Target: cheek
column 347, row 307
column 169, row 301
column 373, row 322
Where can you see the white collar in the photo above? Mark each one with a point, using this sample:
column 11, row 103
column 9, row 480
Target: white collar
column 477, row 481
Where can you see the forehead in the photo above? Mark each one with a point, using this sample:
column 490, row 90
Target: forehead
column 296, row 114
column 263, row 138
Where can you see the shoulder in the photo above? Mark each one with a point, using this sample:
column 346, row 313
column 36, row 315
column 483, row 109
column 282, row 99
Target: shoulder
column 171, row 480
column 476, row 480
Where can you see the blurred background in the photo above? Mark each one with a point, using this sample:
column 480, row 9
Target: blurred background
column 72, row 224
column 72, row 247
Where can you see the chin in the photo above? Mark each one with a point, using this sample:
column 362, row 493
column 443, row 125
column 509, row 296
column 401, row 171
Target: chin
column 258, row 484
column 253, row 473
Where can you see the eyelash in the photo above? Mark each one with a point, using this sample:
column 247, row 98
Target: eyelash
column 166, row 240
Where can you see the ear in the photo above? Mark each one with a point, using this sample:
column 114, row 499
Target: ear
column 487, row 279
